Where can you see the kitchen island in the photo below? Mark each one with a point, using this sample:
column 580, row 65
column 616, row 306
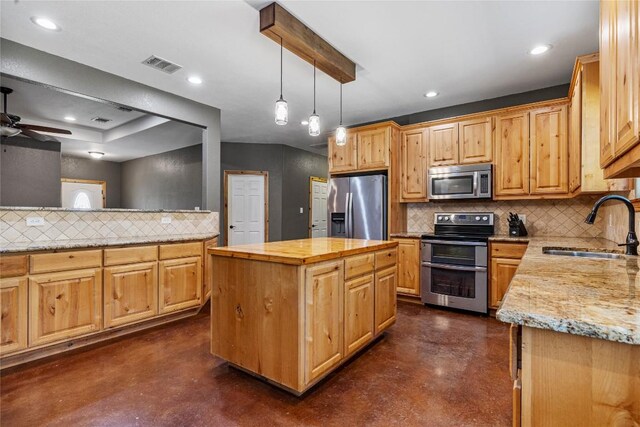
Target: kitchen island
column 291, row 312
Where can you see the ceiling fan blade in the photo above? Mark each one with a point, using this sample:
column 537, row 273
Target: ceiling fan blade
column 37, row 136
column 6, row 120
column 37, row 128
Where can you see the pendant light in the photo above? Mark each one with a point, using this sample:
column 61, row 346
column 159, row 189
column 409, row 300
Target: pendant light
column 282, row 110
column 314, row 119
column 341, row 132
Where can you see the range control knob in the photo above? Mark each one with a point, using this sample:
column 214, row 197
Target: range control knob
column 446, row 218
column 477, row 218
column 484, row 218
column 440, row 218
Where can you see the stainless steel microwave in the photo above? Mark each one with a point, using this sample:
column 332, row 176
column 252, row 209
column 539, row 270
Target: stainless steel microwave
column 460, row 182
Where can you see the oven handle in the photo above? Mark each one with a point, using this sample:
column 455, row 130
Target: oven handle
column 454, row 267
column 454, row 243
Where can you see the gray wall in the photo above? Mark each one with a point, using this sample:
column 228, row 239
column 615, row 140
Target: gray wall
column 289, row 171
column 100, row 170
column 23, row 62
column 170, row 180
column 29, row 172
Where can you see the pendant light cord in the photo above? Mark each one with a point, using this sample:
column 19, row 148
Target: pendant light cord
column 340, row 103
column 314, row 86
column 280, row 67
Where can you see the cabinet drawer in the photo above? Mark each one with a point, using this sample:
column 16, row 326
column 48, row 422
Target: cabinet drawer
column 508, row 250
column 358, row 265
column 180, row 250
column 62, row 261
column 15, row 265
column 386, row 258
column 119, row 256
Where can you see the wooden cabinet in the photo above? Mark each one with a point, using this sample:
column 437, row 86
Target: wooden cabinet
column 373, row 148
column 206, row 290
column 408, row 266
column 443, row 145
column 505, row 259
column 385, row 298
column 64, row 305
column 130, row 293
column 13, row 265
column 343, row 158
column 476, row 140
column 549, row 151
column 413, row 166
column 324, row 311
column 358, row 313
column 179, row 284
column 511, row 172
column 13, row 312
column 607, row 81
column 575, row 133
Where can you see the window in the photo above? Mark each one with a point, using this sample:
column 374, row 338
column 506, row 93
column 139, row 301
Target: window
column 81, row 201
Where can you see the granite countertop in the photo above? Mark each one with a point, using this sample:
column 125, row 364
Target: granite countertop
column 408, row 234
column 49, row 245
column 303, row 251
column 598, row 298
column 508, row 238
column 27, row 208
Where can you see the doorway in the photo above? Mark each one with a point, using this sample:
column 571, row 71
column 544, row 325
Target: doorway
column 83, row 194
column 317, row 207
column 246, row 213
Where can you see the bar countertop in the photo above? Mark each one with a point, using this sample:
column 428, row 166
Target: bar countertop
column 303, row 251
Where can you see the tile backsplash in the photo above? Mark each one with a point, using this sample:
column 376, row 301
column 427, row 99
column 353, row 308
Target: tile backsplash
column 562, row 217
column 72, row 225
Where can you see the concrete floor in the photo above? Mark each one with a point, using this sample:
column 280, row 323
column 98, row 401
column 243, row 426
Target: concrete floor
column 433, row 368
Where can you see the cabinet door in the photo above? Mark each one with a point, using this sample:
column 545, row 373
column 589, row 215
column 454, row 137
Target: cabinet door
column 180, row 284
column 385, row 289
column 575, row 135
column 373, row 148
column 13, row 320
column 627, row 121
column 512, row 155
column 607, row 82
column 324, row 313
column 206, row 291
column 413, row 165
column 443, row 145
column 549, row 151
column 344, row 158
column 502, row 271
column 476, row 141
column 408, row 266
column 130, row 293
column 64, row 305
column 358, row 313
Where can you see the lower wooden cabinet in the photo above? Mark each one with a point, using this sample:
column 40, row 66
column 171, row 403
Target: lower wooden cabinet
column 408, row 266
column 385, row 298
column 206, row 290
column 13, row 306
column 64, row 305
column 130, row 293
column 180, row 283
column 358, row 313
column 324, row 308
column 505, row 259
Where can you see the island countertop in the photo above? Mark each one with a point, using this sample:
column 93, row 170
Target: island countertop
column 302, row 251
column 598, row 298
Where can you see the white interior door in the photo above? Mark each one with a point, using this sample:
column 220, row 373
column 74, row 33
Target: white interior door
column 246, row 210
column 80, row 195
column 319, row 209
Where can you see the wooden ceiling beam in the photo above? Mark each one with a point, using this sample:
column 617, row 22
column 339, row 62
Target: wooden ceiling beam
column 277, row 23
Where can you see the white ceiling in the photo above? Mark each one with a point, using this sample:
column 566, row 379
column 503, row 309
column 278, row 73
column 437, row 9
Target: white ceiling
column 466, row 50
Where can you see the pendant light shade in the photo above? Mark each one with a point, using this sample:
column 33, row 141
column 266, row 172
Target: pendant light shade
column 341, row 132
column 314, row 119
column 282, row 109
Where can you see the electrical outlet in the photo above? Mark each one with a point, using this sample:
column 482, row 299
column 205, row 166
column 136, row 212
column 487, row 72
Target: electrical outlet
column 301, row 210
column 35, row 221
column 165, row 220
column 523, row 217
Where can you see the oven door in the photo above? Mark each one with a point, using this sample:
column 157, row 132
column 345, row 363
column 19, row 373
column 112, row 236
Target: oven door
column 454, row 185
column 462, row 287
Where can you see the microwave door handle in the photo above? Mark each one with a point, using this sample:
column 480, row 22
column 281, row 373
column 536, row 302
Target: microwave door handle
column 475, row 184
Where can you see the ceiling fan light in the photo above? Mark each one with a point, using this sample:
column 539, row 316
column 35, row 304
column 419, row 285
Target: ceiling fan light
column 341, row 136
column 96, row 154
column 282, row 112
column 314, row 124
column 9, row 131
column 45, row 23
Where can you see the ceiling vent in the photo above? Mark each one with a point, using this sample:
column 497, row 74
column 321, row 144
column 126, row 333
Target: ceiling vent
column 161, row 64
column 125, row 109
column 100, row 120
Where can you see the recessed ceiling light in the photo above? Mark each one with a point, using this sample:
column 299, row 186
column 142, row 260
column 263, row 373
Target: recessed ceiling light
column 431, row 94
column 304, row 122
column 194, row 80
column 70, row 118
column 540, row 49
column 45, row 23
column 96, row 154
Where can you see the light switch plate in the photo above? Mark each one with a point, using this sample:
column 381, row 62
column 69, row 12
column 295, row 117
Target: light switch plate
column 165, row 220
column 35, row 221
column 301, row 210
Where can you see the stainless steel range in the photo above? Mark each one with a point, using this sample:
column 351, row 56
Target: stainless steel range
column 454, row 260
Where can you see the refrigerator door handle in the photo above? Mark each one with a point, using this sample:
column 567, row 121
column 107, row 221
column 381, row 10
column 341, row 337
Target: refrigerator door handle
column 347, row 216
column 350, row 209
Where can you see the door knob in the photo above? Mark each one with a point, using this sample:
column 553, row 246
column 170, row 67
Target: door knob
column 232, row 226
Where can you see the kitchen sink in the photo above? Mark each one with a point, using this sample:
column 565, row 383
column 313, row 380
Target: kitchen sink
column 580, row 253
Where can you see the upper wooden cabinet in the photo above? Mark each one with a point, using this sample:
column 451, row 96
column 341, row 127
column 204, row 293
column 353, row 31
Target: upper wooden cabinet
column 549, row 170
column 575, row 133
column 413, row 165
column 476, row 140
column 620, row 88
column 343, row 158
column 511, row 172
column 443, row 145
column 373, row 148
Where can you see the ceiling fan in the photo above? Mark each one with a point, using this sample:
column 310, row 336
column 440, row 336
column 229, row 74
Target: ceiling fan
column 11, row 126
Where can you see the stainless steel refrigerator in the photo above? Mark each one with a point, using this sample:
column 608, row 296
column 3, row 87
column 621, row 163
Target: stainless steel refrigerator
column 358, row 207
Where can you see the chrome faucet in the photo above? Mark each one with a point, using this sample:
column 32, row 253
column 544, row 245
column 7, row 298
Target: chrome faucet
column 632, row 239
